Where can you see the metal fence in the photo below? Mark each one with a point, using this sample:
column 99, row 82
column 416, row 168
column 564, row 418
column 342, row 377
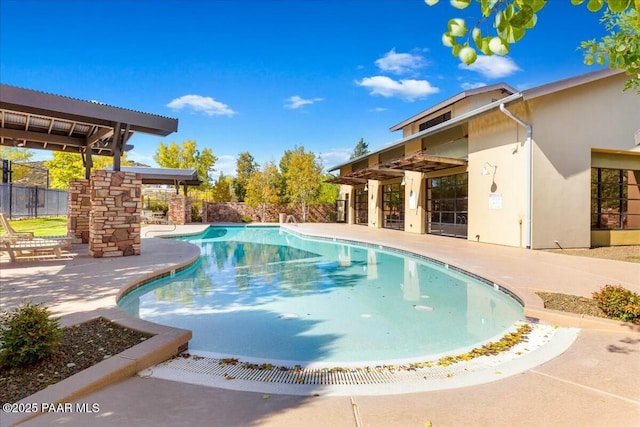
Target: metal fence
column 25, row 201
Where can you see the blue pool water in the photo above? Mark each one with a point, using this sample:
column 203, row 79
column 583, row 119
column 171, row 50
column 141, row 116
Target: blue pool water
column 265, row 293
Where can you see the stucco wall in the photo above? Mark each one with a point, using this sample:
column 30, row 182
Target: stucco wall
column 567, row 125
column 497, row 201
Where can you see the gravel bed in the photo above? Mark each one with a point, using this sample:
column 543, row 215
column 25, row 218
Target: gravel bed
column 81, row 346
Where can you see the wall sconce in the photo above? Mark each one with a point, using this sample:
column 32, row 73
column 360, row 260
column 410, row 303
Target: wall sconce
column 403, row 183
column 366, row 187
column 485, row 171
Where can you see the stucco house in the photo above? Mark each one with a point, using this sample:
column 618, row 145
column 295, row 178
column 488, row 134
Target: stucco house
column 555, row 165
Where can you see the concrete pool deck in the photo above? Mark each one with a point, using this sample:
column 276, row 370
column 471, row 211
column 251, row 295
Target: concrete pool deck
column 595, row 382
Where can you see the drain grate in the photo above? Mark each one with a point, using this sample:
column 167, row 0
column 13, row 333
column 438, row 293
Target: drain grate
column 233, row 369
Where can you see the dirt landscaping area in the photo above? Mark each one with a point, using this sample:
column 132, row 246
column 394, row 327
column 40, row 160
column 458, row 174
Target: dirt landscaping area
column 619, row 253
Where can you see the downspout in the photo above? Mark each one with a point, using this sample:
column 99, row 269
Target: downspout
column 529, row 160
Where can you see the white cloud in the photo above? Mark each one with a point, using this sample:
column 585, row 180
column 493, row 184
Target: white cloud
column 400, row 63
column 295, row 102
column 204, row 104
column 335, row 156
column 378, row 109
column 469, row 85
column 225, row 164
column 492, row 67
column 406, row 89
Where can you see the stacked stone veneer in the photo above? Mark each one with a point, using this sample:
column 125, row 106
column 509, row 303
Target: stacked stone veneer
column 79, row 209
column 235, row 211
column 115, row 216
column 179, row 209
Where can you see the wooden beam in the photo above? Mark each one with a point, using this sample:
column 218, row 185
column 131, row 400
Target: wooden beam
column 42, row 137
column 100, row 134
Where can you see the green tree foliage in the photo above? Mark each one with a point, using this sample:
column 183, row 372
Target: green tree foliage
column 16, row 155
column 328, row 192
column 513, row 18
column 67, row 166
column 262, row 188
column 221, row 190
column 303, row 178
column 187, row 156
column 245, row 166
column 620, row 48
column 361, row 149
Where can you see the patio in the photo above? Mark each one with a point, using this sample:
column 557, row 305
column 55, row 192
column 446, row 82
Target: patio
column 596, row 382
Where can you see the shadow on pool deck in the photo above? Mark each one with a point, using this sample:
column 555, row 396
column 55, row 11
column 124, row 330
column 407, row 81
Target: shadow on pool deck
column 595, row 382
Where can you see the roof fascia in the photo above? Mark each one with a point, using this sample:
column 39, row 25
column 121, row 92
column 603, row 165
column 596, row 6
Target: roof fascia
column 450, row 101
column 31, row 101
column 569, row 83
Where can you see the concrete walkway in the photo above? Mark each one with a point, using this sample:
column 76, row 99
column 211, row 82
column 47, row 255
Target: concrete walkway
column 596, row 382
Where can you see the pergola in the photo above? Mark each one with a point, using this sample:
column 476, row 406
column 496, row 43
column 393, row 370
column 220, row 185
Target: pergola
column 419, row 162
column 38, row 120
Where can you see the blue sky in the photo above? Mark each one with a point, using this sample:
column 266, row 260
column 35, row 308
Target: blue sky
column 266, row 75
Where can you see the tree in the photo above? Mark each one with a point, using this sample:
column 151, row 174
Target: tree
column 187, row 156
column 361, row 149
column 67, row 166
column 303, row 177
column 262, row 188
column 221, row 191
column 621, row 47
column 512, row 18
column 245, row 166
column 328, row 192
column 16, row 155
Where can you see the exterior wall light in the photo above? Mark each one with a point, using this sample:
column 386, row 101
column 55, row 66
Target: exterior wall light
column 485, row 171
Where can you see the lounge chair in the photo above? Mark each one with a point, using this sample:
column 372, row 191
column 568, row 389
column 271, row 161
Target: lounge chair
column 13, row 235
column 31, row 247
column 10, row 232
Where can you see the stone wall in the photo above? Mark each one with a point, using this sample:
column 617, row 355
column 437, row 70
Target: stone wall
column 235, row 211
column 79, row 209
column 179, row 209
column 114, row 227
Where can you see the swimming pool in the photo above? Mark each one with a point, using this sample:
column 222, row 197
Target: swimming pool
column 266, row 293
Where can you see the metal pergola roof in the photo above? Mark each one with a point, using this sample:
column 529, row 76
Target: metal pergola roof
column 422, row 162
column 38, row 120
column 164, row 176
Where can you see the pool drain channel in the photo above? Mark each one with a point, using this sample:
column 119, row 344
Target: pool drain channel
column 227, row 373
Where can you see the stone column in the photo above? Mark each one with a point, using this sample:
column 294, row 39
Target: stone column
column 115, row 216
column 179, row 209
column 79, row 209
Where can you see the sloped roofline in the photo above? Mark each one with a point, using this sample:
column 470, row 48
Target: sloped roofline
column 43, row 103
column 450, row 101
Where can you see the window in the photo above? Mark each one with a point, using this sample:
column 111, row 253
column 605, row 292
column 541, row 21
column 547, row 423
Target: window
column 361, row 207
column 393, row 206
column 615, row 199
column 447, row 207
column 435, row 121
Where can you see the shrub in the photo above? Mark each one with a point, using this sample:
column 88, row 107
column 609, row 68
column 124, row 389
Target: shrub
column 619, row 303
column 27, row 335
column 196, row 215
column 246, row 219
